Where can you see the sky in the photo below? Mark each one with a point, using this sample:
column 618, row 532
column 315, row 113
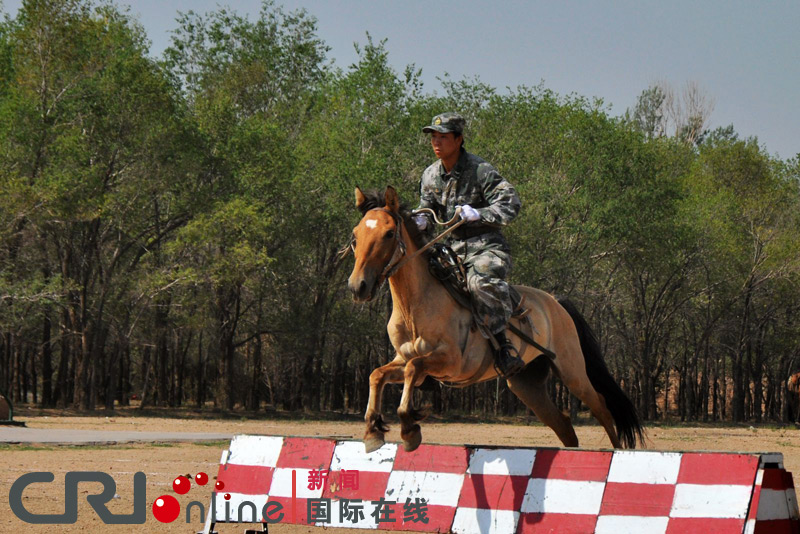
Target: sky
column 745, row 55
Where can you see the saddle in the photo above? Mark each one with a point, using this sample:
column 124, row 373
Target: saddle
column 447, row 267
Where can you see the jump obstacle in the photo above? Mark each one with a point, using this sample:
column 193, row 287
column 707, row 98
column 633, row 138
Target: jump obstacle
column 501, row 490
column 7, row 411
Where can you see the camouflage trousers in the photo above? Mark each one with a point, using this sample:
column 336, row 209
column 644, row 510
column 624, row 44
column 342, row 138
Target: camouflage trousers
column 487, row 266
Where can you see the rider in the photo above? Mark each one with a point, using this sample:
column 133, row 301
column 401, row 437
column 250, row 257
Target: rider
column 488, row 202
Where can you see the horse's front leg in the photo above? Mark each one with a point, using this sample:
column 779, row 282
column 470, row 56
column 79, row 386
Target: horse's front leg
column 415, row 372
column 392, row 372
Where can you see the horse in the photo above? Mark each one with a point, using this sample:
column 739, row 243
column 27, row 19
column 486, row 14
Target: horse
column 434, row 336
column 793, row 383
column 793, row 400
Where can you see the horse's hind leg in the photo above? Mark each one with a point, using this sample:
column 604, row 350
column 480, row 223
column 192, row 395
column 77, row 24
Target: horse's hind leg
column 573, row 374
column 529, row 386
column 392, row 372
column 584, row 390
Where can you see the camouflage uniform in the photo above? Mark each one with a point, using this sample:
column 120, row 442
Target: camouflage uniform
column 480, row 244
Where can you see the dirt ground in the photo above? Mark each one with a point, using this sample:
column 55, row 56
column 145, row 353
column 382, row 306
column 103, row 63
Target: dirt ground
column 162, row 462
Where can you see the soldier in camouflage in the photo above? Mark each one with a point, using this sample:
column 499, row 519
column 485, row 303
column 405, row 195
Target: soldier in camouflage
column 488, row 202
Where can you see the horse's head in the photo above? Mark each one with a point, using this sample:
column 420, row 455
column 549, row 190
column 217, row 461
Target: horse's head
column 376, row 244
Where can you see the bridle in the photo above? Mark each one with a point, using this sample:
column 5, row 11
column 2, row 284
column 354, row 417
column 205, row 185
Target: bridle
column 393, row 265
column 399, row 246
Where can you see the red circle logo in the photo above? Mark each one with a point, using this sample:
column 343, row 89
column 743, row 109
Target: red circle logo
column 181, row 485
column 166, row 509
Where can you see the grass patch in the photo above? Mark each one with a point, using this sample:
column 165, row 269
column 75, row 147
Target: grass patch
column 57, row 447
column 215, row 444
column 21, row 447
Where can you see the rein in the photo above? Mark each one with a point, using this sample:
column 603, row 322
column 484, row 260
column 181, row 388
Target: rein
column 406, row 258
column 400, row 245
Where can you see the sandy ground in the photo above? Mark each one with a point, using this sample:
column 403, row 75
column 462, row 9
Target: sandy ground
column 162, row 462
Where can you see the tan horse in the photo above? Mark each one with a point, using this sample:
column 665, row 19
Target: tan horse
column 433, row 336
column 793, row 385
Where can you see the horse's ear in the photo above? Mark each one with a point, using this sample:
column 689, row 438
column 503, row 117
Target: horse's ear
column 360, row 198
column 392, row 202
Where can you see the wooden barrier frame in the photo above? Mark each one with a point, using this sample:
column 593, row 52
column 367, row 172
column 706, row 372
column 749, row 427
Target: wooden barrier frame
column 505, row 490
column 9, row 418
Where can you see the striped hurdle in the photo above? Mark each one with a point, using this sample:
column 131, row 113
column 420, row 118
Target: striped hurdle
column 488, row 490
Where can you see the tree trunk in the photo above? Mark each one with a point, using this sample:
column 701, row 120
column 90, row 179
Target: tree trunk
column 201, row 374
column 47, row 362
column 16, row 392
column 255, row 382
column 146, row 365
column 63, row 393
column 112, row 377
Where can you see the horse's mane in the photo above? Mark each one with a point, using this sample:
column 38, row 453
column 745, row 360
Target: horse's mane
column 376, row 199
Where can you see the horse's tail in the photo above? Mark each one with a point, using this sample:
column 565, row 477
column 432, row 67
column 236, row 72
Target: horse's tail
column 629, row 429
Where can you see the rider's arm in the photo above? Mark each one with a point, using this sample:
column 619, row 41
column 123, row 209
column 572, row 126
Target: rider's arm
column 504, row 203
column 427, row 199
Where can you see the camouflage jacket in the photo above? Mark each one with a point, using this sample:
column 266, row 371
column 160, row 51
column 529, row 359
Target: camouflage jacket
column 476, row 182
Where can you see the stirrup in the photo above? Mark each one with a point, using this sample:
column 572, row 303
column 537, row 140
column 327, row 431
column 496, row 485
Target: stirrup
column 514, row 364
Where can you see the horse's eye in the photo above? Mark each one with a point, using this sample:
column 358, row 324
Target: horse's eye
column 390, row 234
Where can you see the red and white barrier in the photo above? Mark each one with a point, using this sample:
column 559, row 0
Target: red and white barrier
column 490, row 490
column 773, row 508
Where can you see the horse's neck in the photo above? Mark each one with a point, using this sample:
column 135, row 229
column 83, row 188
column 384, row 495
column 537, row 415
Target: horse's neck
column 412, row 286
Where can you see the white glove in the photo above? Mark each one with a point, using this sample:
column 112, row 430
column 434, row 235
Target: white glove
column 469, row 214
column 421, row 221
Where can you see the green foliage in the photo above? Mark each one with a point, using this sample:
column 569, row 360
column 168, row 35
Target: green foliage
column 648, row 114
column 263, row 64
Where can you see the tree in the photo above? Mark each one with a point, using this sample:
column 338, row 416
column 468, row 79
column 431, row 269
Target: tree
column 660, row 109
column 94, row 131
column 746, row 206
column 248, row 84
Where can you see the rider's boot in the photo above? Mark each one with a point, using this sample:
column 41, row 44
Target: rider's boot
column 507, row 361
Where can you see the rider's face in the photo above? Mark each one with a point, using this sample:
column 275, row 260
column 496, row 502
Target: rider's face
column 445, row 145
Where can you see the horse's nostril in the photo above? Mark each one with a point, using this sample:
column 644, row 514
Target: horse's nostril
column 358, row 288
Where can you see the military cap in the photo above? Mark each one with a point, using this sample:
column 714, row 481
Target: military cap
column 445, row 123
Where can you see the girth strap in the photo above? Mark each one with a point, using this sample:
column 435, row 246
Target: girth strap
column 527, row 339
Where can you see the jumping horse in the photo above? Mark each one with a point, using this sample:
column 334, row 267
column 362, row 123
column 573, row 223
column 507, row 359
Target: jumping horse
column 434, row 336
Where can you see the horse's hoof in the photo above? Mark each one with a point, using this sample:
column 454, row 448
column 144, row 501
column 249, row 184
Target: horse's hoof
column 412, row 439
column 373, row 444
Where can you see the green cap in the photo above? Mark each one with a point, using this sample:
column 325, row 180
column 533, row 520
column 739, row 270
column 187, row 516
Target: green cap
column 446, row 123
